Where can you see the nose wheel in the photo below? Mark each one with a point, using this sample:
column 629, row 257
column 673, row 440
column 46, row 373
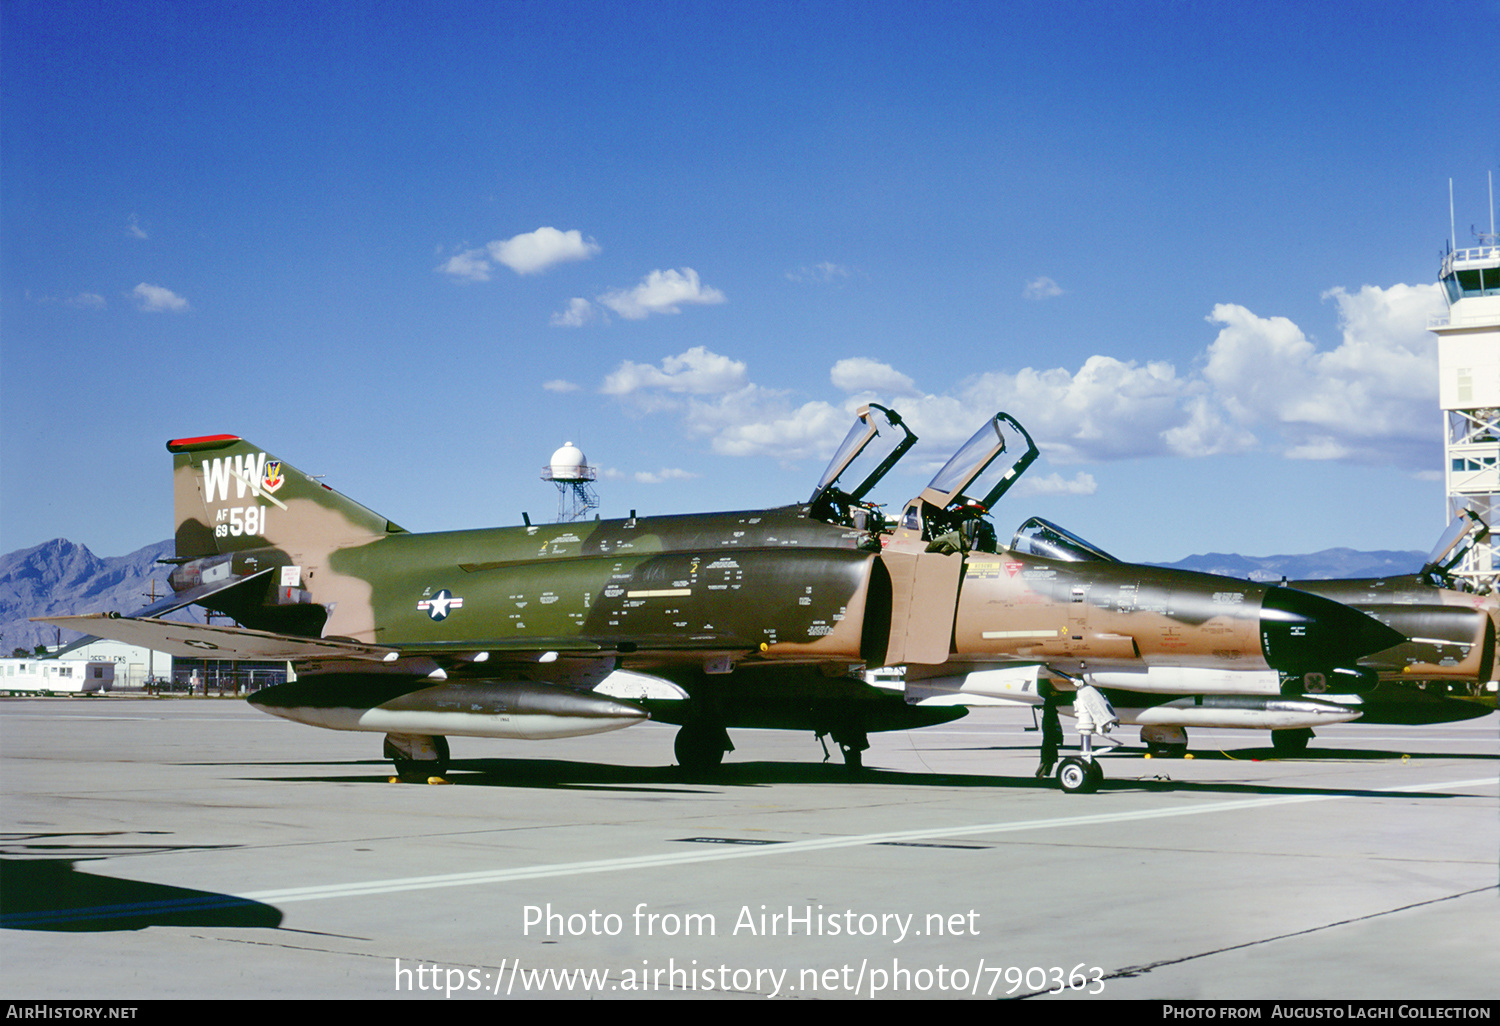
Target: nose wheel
column 1079, row 775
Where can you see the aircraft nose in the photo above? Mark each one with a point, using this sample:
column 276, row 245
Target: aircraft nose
column 1301, row 632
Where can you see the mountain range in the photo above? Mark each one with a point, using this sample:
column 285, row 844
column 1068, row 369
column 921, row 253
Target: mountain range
column 1328, row 565
column 62, row 577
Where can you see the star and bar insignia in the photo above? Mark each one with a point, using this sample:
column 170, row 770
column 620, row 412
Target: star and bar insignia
column 440, row 605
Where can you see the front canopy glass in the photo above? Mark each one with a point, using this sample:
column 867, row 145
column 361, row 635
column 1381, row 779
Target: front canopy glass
column 875, row 443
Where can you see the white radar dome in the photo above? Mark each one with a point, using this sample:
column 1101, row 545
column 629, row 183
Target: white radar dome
column 568, row 463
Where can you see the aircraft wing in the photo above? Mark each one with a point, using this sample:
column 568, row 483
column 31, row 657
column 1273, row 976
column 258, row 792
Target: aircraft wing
column 199, row 640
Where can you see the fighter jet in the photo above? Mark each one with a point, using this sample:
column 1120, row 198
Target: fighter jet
column 1438, row 672
column 1446, row 668
column 1049, row 600
column 759, row 618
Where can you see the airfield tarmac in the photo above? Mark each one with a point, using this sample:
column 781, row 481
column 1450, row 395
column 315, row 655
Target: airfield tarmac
column 163, row 848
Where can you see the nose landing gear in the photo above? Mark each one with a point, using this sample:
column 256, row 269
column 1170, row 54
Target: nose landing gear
column 1077, row 774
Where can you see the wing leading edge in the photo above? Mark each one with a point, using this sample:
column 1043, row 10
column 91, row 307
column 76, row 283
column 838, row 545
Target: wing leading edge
column 196, row 640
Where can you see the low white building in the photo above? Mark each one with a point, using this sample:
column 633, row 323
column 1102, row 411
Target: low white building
column 134, row 664
column 71, row 676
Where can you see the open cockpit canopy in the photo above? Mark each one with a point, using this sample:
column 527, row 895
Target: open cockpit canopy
column 875, row 443
column 1467, row 530
column 958, row 500
column 975, row 475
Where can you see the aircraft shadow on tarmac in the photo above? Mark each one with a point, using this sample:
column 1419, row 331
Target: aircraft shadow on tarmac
column 1316, row 755
column 1126, row 752
column 52, row 894
column 1124, row 770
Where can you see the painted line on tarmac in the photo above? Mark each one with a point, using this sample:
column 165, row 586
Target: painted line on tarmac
column 197, row 903
column 286, row 895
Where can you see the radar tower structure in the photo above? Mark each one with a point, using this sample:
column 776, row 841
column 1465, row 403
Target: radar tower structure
column 1469, row 389
column 574, row 478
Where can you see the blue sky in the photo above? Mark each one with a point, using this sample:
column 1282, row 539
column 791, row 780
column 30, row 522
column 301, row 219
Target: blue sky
column 415, row 247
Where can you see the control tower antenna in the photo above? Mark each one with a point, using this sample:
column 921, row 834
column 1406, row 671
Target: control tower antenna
column 1469, row 390
column 574, row 479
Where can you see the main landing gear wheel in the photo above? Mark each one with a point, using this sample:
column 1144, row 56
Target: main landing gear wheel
column 1291, row 742
column 1079, row 776
column 1165, row 742
column 852, row 743
column 699, row 749
column 400, row 750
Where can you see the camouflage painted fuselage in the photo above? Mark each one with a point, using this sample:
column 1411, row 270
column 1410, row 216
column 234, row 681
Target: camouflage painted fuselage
column 1449, row 635
column 699, row 595
column 771, row 582
column 710, row 582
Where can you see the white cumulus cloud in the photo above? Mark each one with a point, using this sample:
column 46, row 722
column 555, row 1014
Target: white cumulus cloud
column 1041, row 288
column 1261, row 383
column 536, row 251
column 469, row 265
column 697, row 371
column 661, row 292
column 759, row 422
column 861, row 374
column 1056, row 484
column 578, row 313
column 527, row 253
column 664, row 474
column 1109, row 409
column 1371, row 399
column 154, row 298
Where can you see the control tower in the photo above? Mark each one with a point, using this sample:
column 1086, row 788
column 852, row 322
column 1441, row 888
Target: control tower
column 574, row 479
column 1469, row 392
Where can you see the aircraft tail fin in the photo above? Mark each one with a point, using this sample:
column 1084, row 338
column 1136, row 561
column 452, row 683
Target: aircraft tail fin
column 231, row 495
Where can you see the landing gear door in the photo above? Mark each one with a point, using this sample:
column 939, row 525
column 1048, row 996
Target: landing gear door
column 924, row 601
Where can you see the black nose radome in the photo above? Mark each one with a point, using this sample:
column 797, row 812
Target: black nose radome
column 1300, row 632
